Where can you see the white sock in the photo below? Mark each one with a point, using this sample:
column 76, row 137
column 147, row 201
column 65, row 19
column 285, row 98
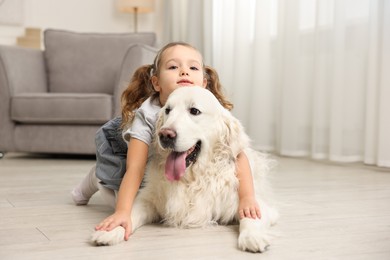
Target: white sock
column 84, row 191
column 108, row 195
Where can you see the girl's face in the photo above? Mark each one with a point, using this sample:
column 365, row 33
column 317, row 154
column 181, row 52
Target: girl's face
column 180, row 66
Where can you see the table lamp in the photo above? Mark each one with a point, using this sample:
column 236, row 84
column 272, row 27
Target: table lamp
column 136, row 7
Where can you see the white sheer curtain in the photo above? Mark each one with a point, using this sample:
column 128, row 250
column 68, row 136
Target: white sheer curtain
column 307, row 77
column 184, row 20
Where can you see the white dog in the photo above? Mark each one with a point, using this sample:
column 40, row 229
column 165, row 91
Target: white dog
column 191, row 181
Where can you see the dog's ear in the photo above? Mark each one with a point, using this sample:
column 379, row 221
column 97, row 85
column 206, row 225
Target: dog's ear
column 160, row 120
column 233, row 134
column 159, row 123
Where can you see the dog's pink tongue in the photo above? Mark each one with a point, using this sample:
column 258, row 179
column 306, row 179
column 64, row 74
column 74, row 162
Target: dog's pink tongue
column 175, row 166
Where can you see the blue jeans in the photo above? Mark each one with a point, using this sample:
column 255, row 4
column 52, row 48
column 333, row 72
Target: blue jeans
column 111, row 154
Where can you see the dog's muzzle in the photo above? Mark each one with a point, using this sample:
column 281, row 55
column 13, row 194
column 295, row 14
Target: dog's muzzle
column 177, row 161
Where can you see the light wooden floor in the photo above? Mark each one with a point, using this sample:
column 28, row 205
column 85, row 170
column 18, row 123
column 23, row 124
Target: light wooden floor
column 328, row 212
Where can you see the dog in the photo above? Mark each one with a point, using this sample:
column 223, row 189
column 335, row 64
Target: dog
column 191, row 181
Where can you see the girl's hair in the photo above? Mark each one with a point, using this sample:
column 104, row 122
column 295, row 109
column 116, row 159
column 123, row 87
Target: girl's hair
column 141, row 88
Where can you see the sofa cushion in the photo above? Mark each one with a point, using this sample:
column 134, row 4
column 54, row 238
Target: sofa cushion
column 61, row 108
column 87, row 62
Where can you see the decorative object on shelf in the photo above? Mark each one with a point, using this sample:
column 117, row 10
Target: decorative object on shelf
column 31, row 38
column 136, row 7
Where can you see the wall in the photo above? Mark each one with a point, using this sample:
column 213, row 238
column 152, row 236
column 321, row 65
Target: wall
column 75, row 15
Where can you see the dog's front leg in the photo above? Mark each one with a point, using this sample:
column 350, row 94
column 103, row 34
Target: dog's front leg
column 143, row 212
column 255, row 234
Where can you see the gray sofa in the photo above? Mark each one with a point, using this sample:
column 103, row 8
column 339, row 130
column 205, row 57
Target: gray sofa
column 53, row 101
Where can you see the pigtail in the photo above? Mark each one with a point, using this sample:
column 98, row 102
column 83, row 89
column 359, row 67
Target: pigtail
column 214, row 85
column 139, row 89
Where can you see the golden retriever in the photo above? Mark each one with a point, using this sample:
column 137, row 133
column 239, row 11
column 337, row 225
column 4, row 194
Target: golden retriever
column 191, row 181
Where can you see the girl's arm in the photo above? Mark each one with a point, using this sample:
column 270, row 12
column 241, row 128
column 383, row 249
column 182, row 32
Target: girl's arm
column 137, row 154
column 248, row 206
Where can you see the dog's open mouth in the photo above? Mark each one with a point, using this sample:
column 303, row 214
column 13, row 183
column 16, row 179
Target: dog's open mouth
column 177, row 162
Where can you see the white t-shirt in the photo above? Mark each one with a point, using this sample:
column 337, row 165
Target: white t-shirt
column 143, row 125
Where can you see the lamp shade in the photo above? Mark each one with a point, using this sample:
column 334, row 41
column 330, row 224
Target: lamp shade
column 132, row 6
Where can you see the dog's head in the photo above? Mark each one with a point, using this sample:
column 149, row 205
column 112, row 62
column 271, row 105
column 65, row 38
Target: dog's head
column 191, row 125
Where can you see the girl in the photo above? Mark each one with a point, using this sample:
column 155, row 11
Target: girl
column 176, row 65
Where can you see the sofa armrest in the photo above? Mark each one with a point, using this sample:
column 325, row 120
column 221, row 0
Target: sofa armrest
column 136, row 56
column 21, row 70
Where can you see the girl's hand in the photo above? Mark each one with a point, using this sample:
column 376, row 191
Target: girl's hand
column 249, row 208
column 117, row 219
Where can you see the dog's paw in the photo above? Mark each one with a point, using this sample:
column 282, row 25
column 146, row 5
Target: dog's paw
column 253, row 236
column 253, row 242
column 108, row 238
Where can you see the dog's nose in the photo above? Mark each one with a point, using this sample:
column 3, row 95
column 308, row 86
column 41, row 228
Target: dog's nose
column 167, row 137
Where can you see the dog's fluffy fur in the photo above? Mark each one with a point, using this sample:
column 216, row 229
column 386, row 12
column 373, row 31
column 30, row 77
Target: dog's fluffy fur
column 207, row 192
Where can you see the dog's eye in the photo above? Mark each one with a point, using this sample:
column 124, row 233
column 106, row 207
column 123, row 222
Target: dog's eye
column 194, row 111
column 167, row 110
